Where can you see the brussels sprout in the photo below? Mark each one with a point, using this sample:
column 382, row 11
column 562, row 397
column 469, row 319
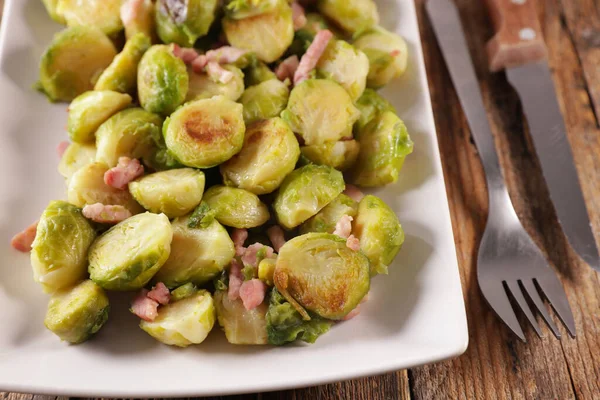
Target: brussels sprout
column 59, row 251
column 241, row 326
column 351, row 15
column 205, row 133
column 202, row 216
column 142, row 21
column 102, row 14
column 240, row 9
column 203, row 87
column 268, row 35
column 74, row 315
column 305, row 35
column 175, row 192
column 51, row 8
column 121, row 74
column 162, row 80
column 237, row 208
column 265, row 100
column 370, row 105
column 346, row 65
column 285, row 324
column 266, row 269
column 87, row 187
column 328, row 217
column 270, row 152
column 305, row 192
column 339, row 155
column 319, row 273
column 384, row 144
column 128, row 255
column 183, row 292
column 379, row 231
column 258, row 72
column 183, row 22
column 89, row 110
column 73, row 61
column 387, row 53
column 197, row 254
column 184, row 322
column 320, row 111
column 129, row 133
column 76, row 156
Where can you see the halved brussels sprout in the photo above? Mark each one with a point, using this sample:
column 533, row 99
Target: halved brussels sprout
column 87, row 186
column 241, row 326
column 265, row 100
column 184, row 322
column 240, row 9
column 268, row 35
column 59, row 251
column 76, row 156
column 370, row 105
column 142, row 20
column 51, row 8
column 270, row 153
column 351, row 15
column 320, row 111
column 205, row 133
column 384, row 144
column 89, row 110
column 379, row 231
column 339, row 155
column 237, row 208
column 305, row 35
column 73, row 62
column 319, row 273
column 102, row 14
column 74, row 315
column 203, row 87
column 129, row 133
column 174, row 193
column 121, row 74
column 183, row 22
column 305, row 192
column 328, row 217
column 266, row 269
column 130, row 253
column 183, row 292
column 257, row 72
column 162, row 80
column 197, row 254
column 346, row 65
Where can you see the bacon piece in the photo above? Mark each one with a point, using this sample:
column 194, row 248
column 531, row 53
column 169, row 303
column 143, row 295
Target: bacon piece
column 62, row 147
column 144, row 307
column 106, row 214
column 287, row 68
column 310, row 59
column 276, row 236
column 252, row 293
column 221, row 55
column 395, row 53
column 298, row 16
column 160, row 293
column 250, row 259
column 217, row 73
column 343, row 227
column 354, row 193
column 353, row 243
column 239, row 237
column 236, row 279
column 130, row 10
column 199, row 64
column 186, row 54
column 126, row 171
column 22, row 241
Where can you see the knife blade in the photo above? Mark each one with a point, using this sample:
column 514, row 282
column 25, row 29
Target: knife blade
column 518, row 47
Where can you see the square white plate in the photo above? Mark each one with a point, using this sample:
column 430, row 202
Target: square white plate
column 414, row 316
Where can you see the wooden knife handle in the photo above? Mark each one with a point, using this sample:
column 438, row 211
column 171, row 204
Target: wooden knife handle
column 519, row 39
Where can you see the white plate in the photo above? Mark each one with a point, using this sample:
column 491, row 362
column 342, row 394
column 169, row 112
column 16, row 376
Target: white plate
column 414, row 316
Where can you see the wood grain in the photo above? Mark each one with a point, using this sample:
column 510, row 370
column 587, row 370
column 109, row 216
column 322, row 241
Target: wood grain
column 497, row 365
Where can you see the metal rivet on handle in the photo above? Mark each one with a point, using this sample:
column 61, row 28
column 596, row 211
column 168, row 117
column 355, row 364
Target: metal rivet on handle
column 527, row 34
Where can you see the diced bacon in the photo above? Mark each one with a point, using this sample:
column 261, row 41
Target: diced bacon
column 217, row 73
column 199, row 64
column 239, row 237
column 353, row 243
column 252, row 293
column 130, row 11
column 106, row 214
column 126, row 171
column 343, row 227
column 250, row 259
column 395, row 53
column 310, row 59
column 186, row 54
column 352, row 313
column 160, row 293
column 354, row 193
column 22, row 241
column 276, row 236
column 298, row 16
column 221, row 55
column 61, row 148
column 144, row 307
column 235, row 280
column 287, row 68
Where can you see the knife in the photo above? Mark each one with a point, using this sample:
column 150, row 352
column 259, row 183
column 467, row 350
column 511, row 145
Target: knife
column 518, row 47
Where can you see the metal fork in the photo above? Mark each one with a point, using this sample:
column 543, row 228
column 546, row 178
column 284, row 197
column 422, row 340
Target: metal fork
column 508, row 261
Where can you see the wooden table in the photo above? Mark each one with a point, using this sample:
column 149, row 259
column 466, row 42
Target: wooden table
column 497, row 364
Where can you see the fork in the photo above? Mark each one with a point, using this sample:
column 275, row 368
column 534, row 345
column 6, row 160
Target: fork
column 509, row 262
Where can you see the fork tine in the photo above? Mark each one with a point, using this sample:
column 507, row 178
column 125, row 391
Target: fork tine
column 514, row 288
column 554, row 292
column 497, row 298
column 533, row 294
